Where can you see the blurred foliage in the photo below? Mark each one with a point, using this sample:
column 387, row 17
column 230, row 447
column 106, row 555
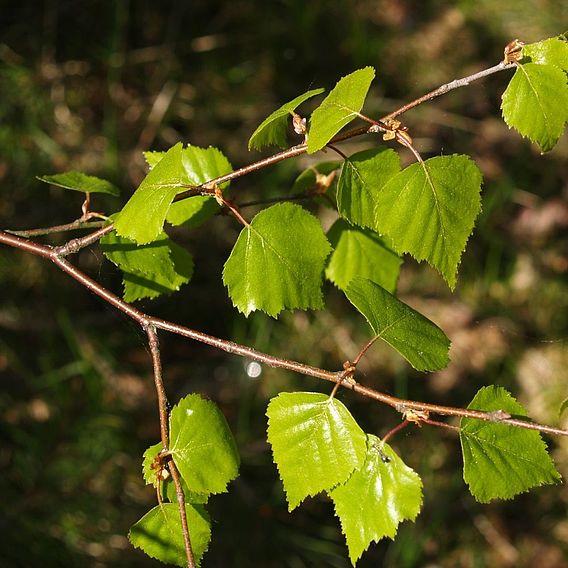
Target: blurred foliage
column 90, row 85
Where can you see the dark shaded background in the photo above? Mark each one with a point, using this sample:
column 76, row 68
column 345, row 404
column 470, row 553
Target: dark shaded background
column 90, row 84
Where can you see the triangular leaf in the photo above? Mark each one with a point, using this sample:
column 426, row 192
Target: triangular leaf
column 421, row 342
column 315, row 441
column 159, row 534
column 429, row 210
column 273, row 129
column 360, row 253
column 202, row 445
column 535, row 103
column 277, row 262
column 501, row 461
column 551, row 51
column 142, row 218
column 376, row 498
column 362, row 177
column 339, row 108
column 149, row 270
column 79, row 181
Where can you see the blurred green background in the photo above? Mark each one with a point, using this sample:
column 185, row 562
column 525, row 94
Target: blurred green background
column 89, row 85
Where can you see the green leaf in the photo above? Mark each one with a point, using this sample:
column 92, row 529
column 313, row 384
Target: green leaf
column 535, row 103
column 159, row 267
column 272, row 130
column 152, row 158
column 159, row 534
column 360, row 253
column 200, row 165
column 202, row 445
column 563, row 407
column 78, row 181
column 429, row 210
column 277, row 262
column 501, row 461
column 551, row 51
column 193, row 211
column 339, row 108
column 376, row 498
column 421, row 342
column 142, row 218
column 315, row 441
column 363, row 176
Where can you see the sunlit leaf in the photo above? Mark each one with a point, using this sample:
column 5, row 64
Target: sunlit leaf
column 159, row 534
column 360, row 253
column 362, row 177
column 79, row 181
column 273, row 129
column 339, row 108
column 421, row 342
column 152, row 158
column 551, row 51
column 376, row 498
column 563, row 407
column 429, row 210
column 277, row 262
column 200, row 165
column 142, row 218
column 535, row 103
column 315, row 442
column 202, row 445
column 501, row 461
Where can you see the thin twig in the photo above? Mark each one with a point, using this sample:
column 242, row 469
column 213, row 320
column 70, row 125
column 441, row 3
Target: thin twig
column 399, row 404
column 302, row 148
column 364, row 350
column 159, row 383
column 75, row 245
column 176, row 478
column 75, row 225
column 394, row 430
column 440, row 424
column 455, row 84
column 164, row 430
